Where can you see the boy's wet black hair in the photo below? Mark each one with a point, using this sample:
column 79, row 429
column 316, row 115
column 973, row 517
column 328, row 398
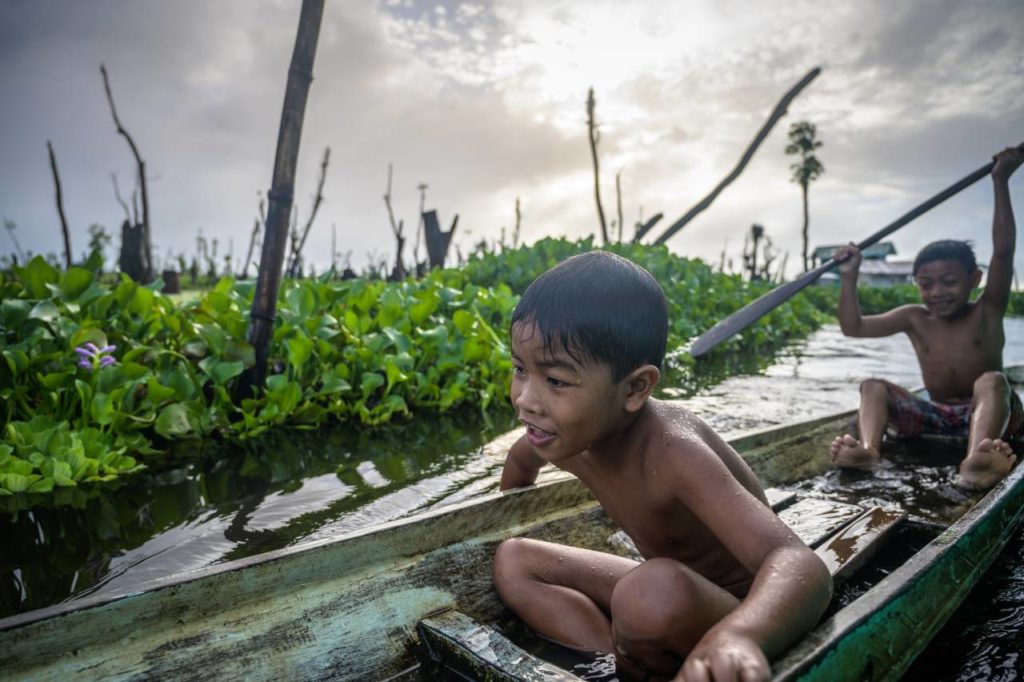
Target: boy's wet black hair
column 947, row 249
column 600, row 307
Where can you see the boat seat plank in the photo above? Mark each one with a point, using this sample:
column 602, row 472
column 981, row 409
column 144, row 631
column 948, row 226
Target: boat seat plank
column 812, row 519
column 779, row 499
column 847, row 550
column 480, row 652
column 815, row 520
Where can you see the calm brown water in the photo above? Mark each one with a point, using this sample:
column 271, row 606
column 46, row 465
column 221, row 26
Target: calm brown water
column 215, row 506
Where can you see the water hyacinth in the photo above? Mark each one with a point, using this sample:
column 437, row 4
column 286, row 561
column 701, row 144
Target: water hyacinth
column 92, row 357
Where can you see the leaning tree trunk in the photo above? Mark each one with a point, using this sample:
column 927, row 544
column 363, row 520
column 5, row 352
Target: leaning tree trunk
column 777, row 113
column 264, row 303
column 807, row 265
column 60, row 207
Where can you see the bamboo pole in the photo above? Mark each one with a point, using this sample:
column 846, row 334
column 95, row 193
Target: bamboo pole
column 264, row 303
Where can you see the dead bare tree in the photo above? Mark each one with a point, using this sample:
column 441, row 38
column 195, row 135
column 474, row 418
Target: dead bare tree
column 261, row 220
column 758, row 242
column 595, row 136
column 515, row 234
column 777, row 113
column 399, row 271
column 264, row 303
column 9, row 226
column 645, row 227
column 334, row 248
column 422, row 187
column 141, row 171
column 60, row 207
column 120, row 200
column 618, row 202
column 295, row 264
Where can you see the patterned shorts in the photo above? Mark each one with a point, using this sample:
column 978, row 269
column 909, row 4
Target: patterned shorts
column 910, row 415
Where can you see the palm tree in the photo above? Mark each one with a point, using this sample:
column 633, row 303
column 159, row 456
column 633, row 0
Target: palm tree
column 802, row 141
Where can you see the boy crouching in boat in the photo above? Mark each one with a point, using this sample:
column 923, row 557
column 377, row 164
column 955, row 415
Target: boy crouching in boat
column 726, row 584
column 959, row 345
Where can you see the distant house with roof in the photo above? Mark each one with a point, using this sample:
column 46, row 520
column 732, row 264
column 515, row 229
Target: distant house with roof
column 875, row 270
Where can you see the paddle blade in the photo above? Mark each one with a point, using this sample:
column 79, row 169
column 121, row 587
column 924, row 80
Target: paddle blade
column 750, row 313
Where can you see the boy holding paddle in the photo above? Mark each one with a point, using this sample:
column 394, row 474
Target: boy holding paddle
column 959, row 345
column 726, row 584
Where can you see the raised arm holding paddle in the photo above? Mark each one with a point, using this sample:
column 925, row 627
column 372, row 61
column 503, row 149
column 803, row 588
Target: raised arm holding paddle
column 959, row 345
column 750, row 313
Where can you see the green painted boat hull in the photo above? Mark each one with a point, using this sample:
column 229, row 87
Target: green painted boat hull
column 348, row 608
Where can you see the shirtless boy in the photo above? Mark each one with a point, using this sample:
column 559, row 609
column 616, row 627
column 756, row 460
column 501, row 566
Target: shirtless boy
column 959, row 345
column 725, row 585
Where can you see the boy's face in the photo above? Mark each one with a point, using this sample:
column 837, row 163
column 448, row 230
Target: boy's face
column 945, row 286
column 566, row 406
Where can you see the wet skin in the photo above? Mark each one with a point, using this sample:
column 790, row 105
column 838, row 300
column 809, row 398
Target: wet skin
column 959, row 344
column 741, row 584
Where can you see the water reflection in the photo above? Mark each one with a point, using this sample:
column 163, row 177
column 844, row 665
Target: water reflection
column 216, row 504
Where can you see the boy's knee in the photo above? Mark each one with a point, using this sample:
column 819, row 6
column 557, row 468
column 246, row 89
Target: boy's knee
column 874, row 389
column 649, row 600
column 647, row 606
column 510, row 561
column 992, row 382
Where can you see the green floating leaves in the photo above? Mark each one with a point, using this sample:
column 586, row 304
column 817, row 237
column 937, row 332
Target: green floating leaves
column 363, row 351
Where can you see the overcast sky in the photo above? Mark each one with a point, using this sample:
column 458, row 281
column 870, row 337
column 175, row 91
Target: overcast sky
column 485, row 102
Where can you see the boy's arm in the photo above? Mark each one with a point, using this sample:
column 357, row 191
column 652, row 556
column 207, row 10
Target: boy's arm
column 791, row 587
column 851, row 321
column 521, row 465
column 1004, row 231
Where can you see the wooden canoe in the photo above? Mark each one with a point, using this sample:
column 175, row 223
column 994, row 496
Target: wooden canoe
column 372, row 605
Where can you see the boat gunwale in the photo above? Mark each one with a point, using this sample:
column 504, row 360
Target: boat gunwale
column 546, row 491
column 810, row 651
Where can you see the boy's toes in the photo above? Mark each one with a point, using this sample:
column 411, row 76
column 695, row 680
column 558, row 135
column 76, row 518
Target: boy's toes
column 991, row 460
column 841, row 443
column 1003, row 447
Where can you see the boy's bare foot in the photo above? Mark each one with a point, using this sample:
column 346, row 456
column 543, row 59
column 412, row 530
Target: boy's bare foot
column 849, row 453
column 987, row 465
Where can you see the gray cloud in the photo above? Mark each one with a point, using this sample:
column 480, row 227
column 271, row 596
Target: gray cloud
column 484, row 102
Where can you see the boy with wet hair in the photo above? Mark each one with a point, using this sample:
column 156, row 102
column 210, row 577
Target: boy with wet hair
column 959, row 345
column 725, row 585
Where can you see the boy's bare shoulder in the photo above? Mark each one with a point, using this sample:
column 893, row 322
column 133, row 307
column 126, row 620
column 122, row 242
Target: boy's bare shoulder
column 675, row 423
column 694, row 452
column 680, row 432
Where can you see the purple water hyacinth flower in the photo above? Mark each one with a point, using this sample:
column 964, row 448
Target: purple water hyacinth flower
column 92, row 357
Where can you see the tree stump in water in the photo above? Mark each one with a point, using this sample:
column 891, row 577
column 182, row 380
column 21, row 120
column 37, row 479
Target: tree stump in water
column 133, row 245
column 437, row 241
column 172, row 282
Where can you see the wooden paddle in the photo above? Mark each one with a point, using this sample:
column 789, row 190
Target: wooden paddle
column 750, row 313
